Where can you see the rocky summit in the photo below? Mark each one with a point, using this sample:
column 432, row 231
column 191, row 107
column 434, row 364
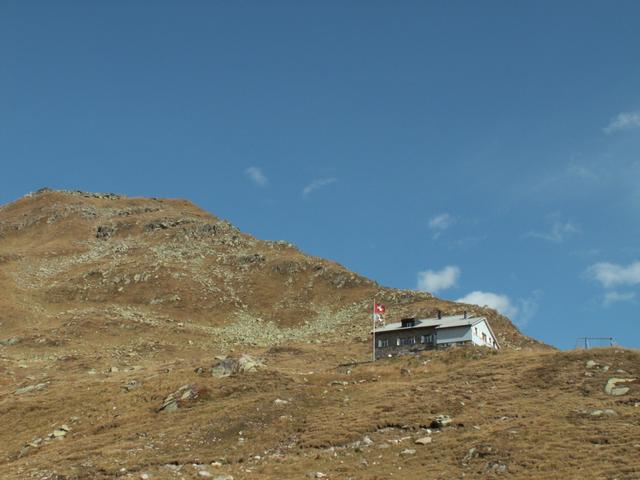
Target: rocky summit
column 146, row 338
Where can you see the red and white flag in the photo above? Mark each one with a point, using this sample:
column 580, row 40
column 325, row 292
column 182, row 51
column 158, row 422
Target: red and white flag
column 378, row 314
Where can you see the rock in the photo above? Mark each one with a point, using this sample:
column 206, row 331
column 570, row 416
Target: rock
column 278, row 402
column 611, row 388
column 105, row 231
column 408, row 451
column 367, row 441
column 228, row 366
column 204, row 474
column 35, row 443
column 497, row 467
column 131, row 385
column 338, row 382
column 31, row 388
column 247, row 363
column 59, row 432
column 10, row 341
column 606, row 412
column 423, row 441
column 441, row 421
column 591, row 364
column 316, row 475
column 471, row 454
column 184, row 395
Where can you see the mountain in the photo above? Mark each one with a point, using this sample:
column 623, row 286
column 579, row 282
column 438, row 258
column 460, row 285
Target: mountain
column 99, row 267
column 148, row 339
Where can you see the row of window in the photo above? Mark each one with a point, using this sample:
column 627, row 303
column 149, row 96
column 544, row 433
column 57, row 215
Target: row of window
column 429, row 339
column 485, row 339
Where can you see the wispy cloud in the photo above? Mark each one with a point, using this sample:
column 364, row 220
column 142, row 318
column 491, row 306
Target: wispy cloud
column 256, row 176
column 440, row 223
column 614, row 297
column 317, row 184
column 520, row 311
column 611, row 275
column 497, row 301
column 436, row 280
column 623, row 121
column 557, row 233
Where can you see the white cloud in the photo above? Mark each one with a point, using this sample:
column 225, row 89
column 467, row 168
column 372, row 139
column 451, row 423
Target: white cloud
column 614, row 297
column 440, row 223
column 316, row 184
column 435, row 280
column 497, row 301
column 611, row 275
column 519, row 311
column 558, row 233
column 256, row 176
column 623, row 121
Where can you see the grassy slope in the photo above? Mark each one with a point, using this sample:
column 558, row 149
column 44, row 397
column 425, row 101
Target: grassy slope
column 524, row 412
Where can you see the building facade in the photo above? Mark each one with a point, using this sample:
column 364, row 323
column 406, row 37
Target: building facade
column 412, row 335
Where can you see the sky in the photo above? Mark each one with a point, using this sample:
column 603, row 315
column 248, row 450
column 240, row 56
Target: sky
column 483, row 151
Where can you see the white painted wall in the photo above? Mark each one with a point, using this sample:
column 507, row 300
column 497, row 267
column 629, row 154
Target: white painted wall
column 477, row 339
column 453, row 335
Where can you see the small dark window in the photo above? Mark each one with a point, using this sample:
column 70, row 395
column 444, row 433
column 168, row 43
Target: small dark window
column 428, row 339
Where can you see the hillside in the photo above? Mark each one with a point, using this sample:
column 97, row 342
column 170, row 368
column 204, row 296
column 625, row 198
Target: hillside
column 99, row 267
column 125, row 325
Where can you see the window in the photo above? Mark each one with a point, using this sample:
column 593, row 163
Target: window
column 383, row 343
column 407, row 341
column 428, row 339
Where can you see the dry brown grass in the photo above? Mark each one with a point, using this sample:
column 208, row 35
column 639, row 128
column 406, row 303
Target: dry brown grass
column 526, row 412
column 74, row 304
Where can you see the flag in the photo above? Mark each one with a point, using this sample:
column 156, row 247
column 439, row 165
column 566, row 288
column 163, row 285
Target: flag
column 378, row 313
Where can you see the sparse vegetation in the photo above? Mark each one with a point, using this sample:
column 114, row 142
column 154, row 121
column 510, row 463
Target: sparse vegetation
column 107, row 346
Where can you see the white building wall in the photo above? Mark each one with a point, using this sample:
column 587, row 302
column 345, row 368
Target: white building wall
column 477, row 338
column 453, row 335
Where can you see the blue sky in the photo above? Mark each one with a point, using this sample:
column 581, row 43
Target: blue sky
column 481, row 150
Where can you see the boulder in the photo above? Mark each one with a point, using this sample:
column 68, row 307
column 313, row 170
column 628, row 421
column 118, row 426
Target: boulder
column 423, row 441
column 607, row 412
column 441, row 421
column 227, row 366
column 181, row 397
column 612, row 388
column 31, row 388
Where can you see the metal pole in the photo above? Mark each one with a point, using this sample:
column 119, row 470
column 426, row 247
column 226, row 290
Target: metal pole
column 373, row 332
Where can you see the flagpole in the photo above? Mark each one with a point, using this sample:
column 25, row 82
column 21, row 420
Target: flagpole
column 373, row 333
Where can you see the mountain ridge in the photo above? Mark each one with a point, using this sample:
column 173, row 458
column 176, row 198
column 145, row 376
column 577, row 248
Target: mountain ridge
column 167, row 261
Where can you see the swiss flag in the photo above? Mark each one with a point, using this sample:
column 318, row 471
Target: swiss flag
column 378, row 308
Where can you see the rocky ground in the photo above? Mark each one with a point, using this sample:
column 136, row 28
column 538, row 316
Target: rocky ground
column 299, row 412
column 146, row 338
